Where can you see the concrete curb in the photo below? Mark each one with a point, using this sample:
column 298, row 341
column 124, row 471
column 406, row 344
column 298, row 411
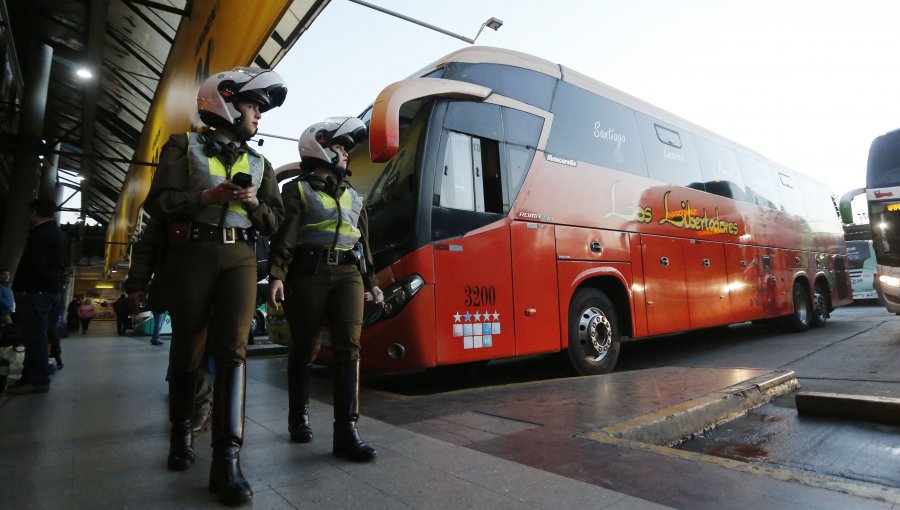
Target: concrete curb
column 259, row 350
column 855, row 407
column 670, row 425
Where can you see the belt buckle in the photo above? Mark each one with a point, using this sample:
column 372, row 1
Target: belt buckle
column 332, row 258
column 226, row 238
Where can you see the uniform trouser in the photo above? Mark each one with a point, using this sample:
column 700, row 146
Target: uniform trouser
column 35, row 311
column 212, row 294
column 335, row 294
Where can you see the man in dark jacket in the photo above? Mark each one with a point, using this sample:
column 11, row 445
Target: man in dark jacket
column 120, row 307
column 37, row 286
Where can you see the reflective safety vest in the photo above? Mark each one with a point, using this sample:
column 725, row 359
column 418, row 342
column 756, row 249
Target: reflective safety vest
column 206, row 172
column 321, row 213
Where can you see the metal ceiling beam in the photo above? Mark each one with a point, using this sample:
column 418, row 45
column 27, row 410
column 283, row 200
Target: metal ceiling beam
column 127, row 44
column 163, row 7
column 148, row 21
column 97, row 10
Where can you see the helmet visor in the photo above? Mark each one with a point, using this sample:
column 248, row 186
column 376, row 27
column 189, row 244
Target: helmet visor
column 264, row 87
column 351, row 132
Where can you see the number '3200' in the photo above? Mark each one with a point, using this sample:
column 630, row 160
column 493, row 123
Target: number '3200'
column 480, row 295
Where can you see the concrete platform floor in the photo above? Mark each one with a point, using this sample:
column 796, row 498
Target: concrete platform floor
column 98, row 439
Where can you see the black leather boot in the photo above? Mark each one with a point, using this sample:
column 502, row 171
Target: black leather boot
column 347, row 442
column 225, row 476
column 298, row 398
column 181, row 410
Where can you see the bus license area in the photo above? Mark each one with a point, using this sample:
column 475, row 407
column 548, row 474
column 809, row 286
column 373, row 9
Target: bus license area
column 477, row 323
column 477, row 330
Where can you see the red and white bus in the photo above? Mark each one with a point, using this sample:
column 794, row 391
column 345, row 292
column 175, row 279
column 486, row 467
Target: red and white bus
column 518, row 207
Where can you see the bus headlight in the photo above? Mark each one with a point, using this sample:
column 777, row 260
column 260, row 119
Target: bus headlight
column 891, row 281
column 395, row 298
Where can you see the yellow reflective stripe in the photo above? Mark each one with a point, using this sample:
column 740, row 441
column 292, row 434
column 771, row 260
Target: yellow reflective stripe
column 330, row 226
column 216, row 168
column 328, row 201
column 303, row 203
column 324, row 226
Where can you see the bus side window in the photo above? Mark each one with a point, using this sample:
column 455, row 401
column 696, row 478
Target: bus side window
column 521, row 132
column 591, row 128
column 720, row 170
column 759, row 182
column 789, row 193
column 670, row 153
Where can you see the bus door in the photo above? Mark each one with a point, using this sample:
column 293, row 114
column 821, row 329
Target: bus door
column 746, row 281
column 473, row 271
column 664, row 288
column 536, row 288
column 707, row 283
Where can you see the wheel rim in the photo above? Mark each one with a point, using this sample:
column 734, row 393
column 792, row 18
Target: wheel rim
column 819, row 304
column 801, row 308
column 594, row 334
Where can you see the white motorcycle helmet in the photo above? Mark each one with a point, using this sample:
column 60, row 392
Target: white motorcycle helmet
column 217, row 97
column 316, row 140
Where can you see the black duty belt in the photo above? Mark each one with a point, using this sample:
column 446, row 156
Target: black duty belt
column 325, row 256
column 224, row 235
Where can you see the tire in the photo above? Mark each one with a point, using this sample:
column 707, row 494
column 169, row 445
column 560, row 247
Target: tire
column 593, row 333
column 819, row 307
column 800, row 319
column 260, row 328
column 251, row 340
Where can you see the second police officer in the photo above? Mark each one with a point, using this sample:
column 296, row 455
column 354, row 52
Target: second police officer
column 320, row 266
column 214, row 194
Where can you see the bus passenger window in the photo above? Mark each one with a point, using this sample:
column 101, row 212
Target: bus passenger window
column 759, row 181
column 720, row 169
column 670, row 154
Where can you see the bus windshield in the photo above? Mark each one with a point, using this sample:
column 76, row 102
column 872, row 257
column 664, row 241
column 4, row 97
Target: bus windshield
column 883, row 169
column 858, row 253
column 882, row 174
column 885, row 220
column 391, row 188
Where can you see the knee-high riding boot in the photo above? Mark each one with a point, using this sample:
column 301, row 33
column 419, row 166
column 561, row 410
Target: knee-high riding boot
column 225, row 476
column 347, row 442
column 298, row 400
column 181, row 410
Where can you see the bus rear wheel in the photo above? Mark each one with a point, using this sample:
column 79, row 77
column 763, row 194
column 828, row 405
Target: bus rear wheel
column 593, row 333
column 819, row 306
column 800, row 319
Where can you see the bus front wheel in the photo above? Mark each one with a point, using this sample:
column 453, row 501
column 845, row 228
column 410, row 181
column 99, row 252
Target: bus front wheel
column 819, row 306
column 593, row 333
column 800, row 319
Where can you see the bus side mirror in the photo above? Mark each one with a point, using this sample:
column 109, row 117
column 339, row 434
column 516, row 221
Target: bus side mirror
column 846, row 212
column 844, row 204
column 384, row 127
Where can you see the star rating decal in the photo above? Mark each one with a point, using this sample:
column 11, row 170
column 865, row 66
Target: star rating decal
column 478, row 330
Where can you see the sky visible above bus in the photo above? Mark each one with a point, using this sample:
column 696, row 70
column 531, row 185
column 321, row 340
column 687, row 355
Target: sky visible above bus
column 808, row 84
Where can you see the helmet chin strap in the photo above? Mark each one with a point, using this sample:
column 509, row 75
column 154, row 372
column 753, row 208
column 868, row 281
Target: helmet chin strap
column 338, row 172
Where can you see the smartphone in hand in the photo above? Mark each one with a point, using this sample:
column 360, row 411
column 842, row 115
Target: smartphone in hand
column 242, row 179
